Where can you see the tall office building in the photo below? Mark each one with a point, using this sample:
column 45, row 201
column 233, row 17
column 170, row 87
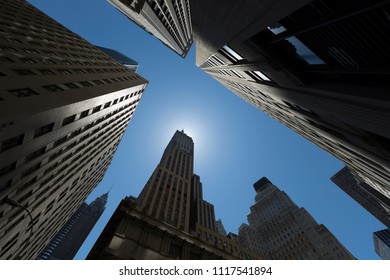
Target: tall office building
column 67, row 242
column 168, row 20
column 320, row 67
column 382, row 243
column 279, row 229
column 373, row 201
column 169, row 219
column 64, row 106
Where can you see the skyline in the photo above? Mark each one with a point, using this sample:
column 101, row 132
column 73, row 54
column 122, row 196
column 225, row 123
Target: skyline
column 214, row 118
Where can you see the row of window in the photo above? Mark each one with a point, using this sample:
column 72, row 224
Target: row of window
column 76, row 162
column 26, row 92
column 14, row 141
column 28, row 72
column 97, row 57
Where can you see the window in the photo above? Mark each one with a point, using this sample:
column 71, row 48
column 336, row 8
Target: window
column 27, row 60
column 6, row 169
column 53, row 88
column 46, row 72
column 43, row 130
column 175, row 251
column 48, row 61
column 71, row 85
column 96, row 109
column 23, row 92
column 86, row 84
column 260, row 76
column 232, row 53
column 60, row 141
column 98, row 82
column 23, row 72
column 64, row 71
column 68, row 120
column 5, row 59
column 78, row 71
column 31, row 169
column 84, row 114
column 36, row 154
column 12, row 142
column 304, row 52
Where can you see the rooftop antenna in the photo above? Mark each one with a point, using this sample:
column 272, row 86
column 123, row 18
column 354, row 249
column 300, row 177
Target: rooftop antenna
column 112, row 186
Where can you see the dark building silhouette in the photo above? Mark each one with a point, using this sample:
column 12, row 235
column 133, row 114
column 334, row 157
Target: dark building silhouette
column 169, row 219
column 382, row 243
column 373, row 201
column 64, row 107
column 279, row 229
column 67, row 242
column 319, row 67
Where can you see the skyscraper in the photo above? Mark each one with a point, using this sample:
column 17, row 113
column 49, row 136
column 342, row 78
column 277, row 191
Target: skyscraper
column 319, row 67
column 168, row 20
column 373, row 201
column 382, row 243
column 169, row 219
column 72, row 235
column 64, row 106
column 279, row 229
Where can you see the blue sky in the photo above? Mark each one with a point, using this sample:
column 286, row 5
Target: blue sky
column 235, row 143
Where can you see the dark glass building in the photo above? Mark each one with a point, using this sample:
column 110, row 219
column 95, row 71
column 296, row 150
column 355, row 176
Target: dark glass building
column 67, row 242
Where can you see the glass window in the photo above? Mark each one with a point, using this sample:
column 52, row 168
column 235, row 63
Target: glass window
column 53, row 88
column 43, row 129
column 305, row 52
column 84, row 114
column 68, row 120
column 24, row 72
column 12, row 142
column 6, row 169
column 261, row 75
column 36, row 154
column 23, row 92
column 277, row 30
column 232, row 53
